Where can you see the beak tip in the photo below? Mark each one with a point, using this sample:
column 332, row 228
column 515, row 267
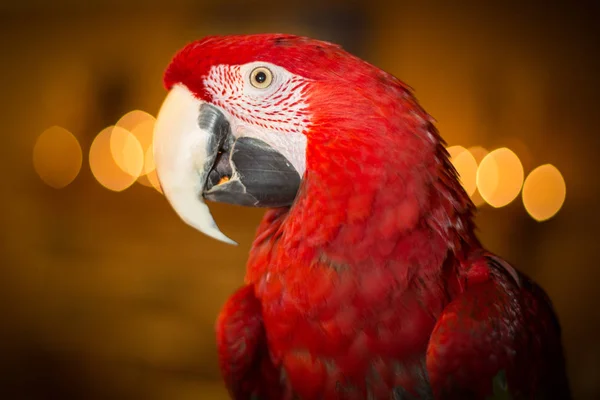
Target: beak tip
column 204, row 223
column 223, row 238
column 213, row 231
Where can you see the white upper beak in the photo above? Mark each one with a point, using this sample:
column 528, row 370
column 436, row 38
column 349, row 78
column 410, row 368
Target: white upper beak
column 181, row 149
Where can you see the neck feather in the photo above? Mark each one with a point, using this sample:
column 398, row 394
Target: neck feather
column 356, row 215
column 378, row 190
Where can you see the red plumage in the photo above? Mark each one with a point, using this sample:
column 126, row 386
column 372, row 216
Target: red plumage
column 373, row 283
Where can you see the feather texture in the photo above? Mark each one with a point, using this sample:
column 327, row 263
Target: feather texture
column 372, row 285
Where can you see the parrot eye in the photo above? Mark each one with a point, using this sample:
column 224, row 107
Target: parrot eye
column 261, row 77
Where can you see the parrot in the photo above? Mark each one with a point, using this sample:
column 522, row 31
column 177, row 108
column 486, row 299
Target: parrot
column 366, row 279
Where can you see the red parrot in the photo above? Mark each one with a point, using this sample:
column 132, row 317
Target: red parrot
column 366, row 279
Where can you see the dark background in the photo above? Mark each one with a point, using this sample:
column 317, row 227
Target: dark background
column 109, row 295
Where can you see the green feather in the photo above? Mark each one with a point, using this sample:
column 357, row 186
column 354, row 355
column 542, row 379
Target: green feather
column 500, row 387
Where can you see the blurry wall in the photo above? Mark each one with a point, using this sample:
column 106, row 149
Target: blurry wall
column 110, row 295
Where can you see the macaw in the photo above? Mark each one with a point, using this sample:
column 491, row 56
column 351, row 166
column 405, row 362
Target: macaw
column 366, row 279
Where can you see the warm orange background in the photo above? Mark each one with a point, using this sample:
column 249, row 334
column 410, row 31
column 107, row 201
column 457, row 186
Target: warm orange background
column 109, row 295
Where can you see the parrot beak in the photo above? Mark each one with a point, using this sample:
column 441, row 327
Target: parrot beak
column 198, row 157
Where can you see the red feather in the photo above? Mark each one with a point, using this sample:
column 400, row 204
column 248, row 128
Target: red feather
column 373, row 282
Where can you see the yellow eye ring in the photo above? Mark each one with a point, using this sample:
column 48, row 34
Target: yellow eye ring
column 261, row 77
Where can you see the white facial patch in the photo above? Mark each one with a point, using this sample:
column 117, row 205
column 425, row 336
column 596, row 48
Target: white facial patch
column 277, row 114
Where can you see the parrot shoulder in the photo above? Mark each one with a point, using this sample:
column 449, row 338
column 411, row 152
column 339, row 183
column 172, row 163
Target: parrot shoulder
column 501, row 324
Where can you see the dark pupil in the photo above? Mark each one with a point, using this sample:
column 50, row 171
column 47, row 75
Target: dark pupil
column 260, row 77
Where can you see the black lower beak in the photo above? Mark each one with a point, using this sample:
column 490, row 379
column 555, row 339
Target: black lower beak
column 252, row 173
column 247, row 171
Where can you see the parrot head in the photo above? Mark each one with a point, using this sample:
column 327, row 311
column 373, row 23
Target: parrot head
column 257, row 120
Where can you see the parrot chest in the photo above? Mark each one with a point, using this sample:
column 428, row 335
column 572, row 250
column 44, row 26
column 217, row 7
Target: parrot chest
column 329, row 334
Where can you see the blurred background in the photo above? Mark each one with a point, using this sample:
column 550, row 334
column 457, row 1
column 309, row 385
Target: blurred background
column 105, row 293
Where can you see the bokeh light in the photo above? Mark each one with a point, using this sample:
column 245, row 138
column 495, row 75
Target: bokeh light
column 518, row 146
column 57, row 157
column 150, row 178
column 153, row 178
column 145, row 181
column 500, row 177
column 466, row 166
column 544, row 192
column 141, row 126
column 151, row 170
column 133, row 118
column 104, row 165
column 478, row 153
column 144, row 133
column 126, row 151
